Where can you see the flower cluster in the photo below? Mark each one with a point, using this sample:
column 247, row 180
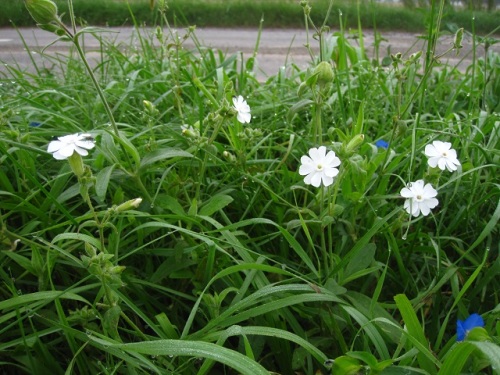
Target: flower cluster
column 421, row 197
column 320, row 168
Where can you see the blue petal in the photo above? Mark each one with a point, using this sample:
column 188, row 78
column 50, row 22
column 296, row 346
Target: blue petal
column 382, row 144
column 460, row 331
column 474, row 320
column 35, row 124
column 463, row 327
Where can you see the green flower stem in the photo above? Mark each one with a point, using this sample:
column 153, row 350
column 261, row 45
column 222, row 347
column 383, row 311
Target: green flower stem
column 134, row 327
column 81, row 53
column 324, row 250
column 317, row 124
column 217, row 128
column 205, row 91
column 143, row 189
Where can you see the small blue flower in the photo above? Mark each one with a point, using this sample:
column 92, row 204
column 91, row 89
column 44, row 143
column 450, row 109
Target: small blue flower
column 382, row 144
column 463, row 327
column 35, row 124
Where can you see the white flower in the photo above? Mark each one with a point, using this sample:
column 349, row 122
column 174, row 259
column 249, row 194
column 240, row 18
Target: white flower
column 420, row 198
column 319, row 167
column 64, row 147
column 441, row 154
column 243, row 109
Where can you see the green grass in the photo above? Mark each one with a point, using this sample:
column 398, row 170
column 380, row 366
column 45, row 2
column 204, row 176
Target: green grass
column 231, row 263
column 244, row 13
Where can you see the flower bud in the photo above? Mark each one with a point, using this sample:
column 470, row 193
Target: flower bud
column 355, row 143
column 457, row 41
column 116, row 270
column 42, row 11
column 129, row 205
column 230, row 157
column 150, row 107
column 325, row 73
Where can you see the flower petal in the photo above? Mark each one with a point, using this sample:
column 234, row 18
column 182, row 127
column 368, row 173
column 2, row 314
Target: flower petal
column 331, row 172
column 327, row 180
column 244, row 117
column 431, row 151
column 406, row 193
column 85, row 144
column 474, row 320
column 54, row 146
column 429, row 191
column 460, row 331
column 306, row 168
column 67, row 150
column 316, row 179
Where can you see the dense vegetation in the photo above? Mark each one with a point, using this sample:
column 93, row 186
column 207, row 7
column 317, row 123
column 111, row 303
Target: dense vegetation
column 182, row 229
column 245, row 13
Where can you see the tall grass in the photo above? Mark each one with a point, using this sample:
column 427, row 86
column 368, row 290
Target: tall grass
column 231, row 263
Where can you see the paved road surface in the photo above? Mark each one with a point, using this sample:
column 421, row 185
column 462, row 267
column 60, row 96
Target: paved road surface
column 277, row 46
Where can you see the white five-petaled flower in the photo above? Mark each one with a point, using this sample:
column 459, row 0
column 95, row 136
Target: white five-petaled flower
column 419, row 198
column 63, row 147
column 441, row 155
column 243, row 109
column 319, row 167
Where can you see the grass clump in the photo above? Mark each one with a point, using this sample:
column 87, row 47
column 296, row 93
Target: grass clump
column 171, row 235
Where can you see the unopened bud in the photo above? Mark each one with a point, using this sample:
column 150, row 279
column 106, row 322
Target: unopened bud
column 42, row 11
column 129, row 205
column 457, row 41
column 115, row 270
column 325, row 73
column 355, row 143
column 230, row 157
column 148, row 105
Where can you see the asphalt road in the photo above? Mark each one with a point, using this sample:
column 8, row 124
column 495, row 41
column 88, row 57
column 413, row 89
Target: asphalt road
column 277, row 46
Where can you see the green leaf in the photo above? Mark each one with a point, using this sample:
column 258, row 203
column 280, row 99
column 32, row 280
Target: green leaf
column 110, row 322
column 414, row 329
column 300, row 105
column 456, row 359
column 167, row 326
column 170, row 203
column 491, row 351
column 130, row 149
column 39, row 296
column 371, row 331
column 102, row 181
column 79, row 237
column 359, row 263
column 346, row 366
column 194, row 349
column 214, row 204
column 24, row 262
column 162, row 154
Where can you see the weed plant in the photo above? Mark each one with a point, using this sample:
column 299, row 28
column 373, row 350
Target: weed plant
column 179, row 238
